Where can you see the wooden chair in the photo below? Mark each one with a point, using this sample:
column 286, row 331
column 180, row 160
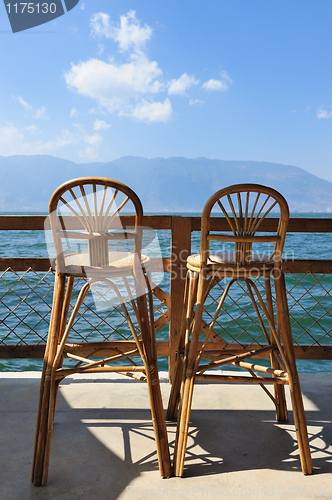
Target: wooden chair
column 95, row 205
column 244, row 208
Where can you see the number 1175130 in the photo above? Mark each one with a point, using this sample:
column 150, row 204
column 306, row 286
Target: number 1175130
column 31, row 8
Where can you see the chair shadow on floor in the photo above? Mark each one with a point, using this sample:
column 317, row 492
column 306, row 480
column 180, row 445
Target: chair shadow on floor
column 92, row 448
column 239, row 440
column 219, row 441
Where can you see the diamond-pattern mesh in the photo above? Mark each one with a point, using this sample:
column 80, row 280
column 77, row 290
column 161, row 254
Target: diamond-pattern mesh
column 310, row 308
column 26, row 301
column 237, row 322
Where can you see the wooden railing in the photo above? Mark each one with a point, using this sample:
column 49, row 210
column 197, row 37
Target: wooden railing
column 181, row 228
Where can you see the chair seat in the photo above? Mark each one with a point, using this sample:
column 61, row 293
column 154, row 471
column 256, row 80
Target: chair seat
column 221, row 259
column 119, row 262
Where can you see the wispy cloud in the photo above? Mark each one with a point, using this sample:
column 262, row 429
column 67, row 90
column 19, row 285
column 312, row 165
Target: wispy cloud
column 221, row 85
column 181, row 85
column 25, row 105
column 32, row 128
column 323, row 113
column 101, row 125
column 128, row 33
column 151, row 111
column 195, row 102
column 13, row 140
column 10, row 138
column 73, row 113
column 38, row 113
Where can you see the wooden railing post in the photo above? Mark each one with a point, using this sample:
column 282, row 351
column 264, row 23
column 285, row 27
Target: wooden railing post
column 180, row 249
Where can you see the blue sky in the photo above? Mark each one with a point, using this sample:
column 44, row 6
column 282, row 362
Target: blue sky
column 225, row 79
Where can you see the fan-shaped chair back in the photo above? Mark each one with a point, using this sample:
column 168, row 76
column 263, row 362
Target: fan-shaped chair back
column 244, row 206
column 85, row 216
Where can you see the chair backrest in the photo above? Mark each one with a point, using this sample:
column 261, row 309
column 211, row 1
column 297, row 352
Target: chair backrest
column 244, row 207
column 86, row 212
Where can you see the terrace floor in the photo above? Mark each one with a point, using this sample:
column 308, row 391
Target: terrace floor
column 103, row 445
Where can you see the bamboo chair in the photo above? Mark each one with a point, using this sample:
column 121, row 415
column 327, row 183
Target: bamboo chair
column 244, row 207
column 96, row 205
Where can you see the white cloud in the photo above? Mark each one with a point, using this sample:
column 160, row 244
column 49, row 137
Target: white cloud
column 10, row 138
column 101, row 125
column 101, row 48
column 73, row 113
column 322, row 113
column 114, row 85
column 65, row 138
column 32, row 128
column 120, row 87
column 97, row 111
column 218, row 85
column 91, row 151
column 129, row 88
column 100, row 25
column 179, row 86
column 88, row 153
column 25, row 105
column 40, row 113
column 13, row 141
column 212, row 84
column 151, row 111
column 128, row 33
column 194, row 102
column 93, row 140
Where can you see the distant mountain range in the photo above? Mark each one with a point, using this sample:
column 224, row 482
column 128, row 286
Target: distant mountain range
column 163, row 184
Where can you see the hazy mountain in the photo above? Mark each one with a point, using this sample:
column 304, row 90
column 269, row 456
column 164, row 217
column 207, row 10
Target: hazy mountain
column 163, row 184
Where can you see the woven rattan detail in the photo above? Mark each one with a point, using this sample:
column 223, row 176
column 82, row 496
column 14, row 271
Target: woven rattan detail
column 228, row 258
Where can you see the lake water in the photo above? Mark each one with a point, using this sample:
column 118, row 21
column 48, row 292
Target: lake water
column 304, row 246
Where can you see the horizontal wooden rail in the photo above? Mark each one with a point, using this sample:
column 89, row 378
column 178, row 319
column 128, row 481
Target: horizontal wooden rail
column 40, row 222
column 161, row 222
column 295, row 225
column 43, row 264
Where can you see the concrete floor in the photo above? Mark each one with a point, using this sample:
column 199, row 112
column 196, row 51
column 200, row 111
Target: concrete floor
column 103, row 446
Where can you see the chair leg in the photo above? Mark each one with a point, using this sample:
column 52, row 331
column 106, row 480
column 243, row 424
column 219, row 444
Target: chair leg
column 174, row 396
column 188, row 307
column 65, row 312
column 40, row 461
column 279, row 389
column 187, row 388
column 156, row 403
column 294, row 383
column 183, row 425
column 159, row 424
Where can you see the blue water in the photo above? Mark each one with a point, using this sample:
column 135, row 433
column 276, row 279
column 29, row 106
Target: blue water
column 298, row 245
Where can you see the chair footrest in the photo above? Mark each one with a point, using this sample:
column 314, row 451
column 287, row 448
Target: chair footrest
column 241, row 379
